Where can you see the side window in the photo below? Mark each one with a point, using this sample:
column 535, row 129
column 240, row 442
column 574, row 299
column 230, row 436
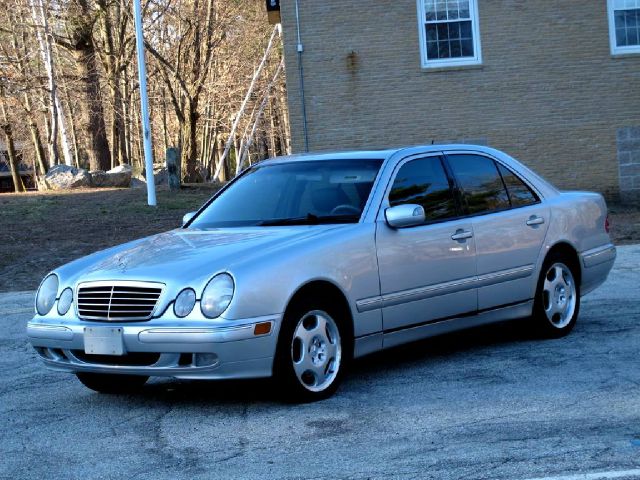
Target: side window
column 519, row 193
column 424, row 182
column 480, row 182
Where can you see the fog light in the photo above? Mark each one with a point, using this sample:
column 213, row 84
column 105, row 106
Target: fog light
column 205, row 359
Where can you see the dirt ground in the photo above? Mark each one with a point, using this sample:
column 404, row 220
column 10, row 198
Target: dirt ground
column 39, row 231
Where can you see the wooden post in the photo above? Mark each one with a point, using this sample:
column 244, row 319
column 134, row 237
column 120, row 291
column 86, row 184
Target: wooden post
column 173, row 168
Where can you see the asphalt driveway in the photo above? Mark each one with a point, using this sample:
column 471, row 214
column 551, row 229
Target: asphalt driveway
column 484, row 404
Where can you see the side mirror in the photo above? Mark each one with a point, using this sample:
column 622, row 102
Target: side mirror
column 187, row 217
column 408, row 215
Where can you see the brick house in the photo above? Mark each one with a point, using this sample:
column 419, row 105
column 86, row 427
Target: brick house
column 554, row 83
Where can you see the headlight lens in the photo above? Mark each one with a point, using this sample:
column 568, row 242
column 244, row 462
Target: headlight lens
column 217, row 295
column 46, row 296
column 65, row 301
column 184, row 303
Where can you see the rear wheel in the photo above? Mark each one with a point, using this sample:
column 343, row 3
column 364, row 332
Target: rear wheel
column 109, row 383
column 557, row 301
column 313, row 352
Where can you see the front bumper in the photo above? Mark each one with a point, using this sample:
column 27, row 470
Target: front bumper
column 219, row 349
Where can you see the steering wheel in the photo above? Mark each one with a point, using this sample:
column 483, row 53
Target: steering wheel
column 346, row 208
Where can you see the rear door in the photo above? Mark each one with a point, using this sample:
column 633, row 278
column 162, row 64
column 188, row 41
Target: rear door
column 509, row 224
column 427, row 272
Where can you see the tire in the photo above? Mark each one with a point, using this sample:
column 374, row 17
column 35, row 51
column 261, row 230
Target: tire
column 557, row 301
column 110, row 383
column 313, row 353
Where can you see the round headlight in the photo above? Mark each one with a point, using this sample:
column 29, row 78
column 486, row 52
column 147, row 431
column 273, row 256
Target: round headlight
column 65, row 300
column 217, row 295
column 184, row 303
column 46, row 296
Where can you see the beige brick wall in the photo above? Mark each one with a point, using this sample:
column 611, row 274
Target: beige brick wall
column 548, row 92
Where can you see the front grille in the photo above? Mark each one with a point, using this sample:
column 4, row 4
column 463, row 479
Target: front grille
column 117, row 302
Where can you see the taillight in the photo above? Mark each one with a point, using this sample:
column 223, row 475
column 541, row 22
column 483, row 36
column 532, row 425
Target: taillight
column 607, row 225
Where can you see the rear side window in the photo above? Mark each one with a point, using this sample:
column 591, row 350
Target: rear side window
column 424, row 182
column 519, row 193
column 482, row 187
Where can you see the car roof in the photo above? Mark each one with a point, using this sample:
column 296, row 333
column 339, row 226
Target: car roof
column 374, row 154
column 407, row 151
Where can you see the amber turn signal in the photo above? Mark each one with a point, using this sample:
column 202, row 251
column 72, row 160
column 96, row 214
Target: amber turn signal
column 262, row 328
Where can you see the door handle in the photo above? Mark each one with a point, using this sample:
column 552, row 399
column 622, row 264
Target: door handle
column 461, row 235
column 535, row 220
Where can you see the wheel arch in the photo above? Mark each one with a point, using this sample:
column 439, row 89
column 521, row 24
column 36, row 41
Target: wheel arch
column 569, row 252
column 325, row 289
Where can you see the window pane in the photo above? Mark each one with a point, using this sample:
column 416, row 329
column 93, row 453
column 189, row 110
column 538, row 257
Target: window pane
column 519, row 193
column 467, row 48
column 456, row 49
column 430, row 9
column 441, row 10
column 425, row 183
column 621, row 37
column 432, row 50
column 464, row 9
column 432, row 33
column 465, row 30
column 454, row 30
column 443, row 32
column 480, row 183
column 443, row 50
column 452, row 8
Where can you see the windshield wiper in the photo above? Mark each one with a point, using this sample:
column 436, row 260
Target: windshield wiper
column 310, row 219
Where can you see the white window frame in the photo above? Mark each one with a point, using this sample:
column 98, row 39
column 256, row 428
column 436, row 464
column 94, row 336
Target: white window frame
column 615, row 49
column 450, row 62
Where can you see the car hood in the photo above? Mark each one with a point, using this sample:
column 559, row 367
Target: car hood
column 186, row 256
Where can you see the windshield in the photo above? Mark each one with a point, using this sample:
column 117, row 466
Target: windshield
column 295, row 193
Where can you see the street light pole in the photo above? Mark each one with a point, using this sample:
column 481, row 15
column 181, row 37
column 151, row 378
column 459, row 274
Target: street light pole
column 144, row 101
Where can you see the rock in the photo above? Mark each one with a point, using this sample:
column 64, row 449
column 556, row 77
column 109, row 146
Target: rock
column 119, row 177
column 160, row 175
column 136, row 182
column 98, row 178
column 63, row 177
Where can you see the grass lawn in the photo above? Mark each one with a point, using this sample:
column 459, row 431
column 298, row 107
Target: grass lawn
column 40, row 231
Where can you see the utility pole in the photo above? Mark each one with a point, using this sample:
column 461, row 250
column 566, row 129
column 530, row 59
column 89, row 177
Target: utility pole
column 144, row 103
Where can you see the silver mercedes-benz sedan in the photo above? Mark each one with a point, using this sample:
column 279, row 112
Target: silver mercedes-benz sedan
column 303, row 263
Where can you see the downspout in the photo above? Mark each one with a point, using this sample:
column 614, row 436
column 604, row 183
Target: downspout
column 300, row 49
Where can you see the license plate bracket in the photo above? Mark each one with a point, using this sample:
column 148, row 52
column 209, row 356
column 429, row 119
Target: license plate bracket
column 103, row 341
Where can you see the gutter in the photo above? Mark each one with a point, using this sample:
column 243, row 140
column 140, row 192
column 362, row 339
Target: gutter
column 300, row 49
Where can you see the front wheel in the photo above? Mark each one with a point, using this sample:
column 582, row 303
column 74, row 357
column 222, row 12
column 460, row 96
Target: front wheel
column 312, row 353
column 557, row 301
column 110, row 383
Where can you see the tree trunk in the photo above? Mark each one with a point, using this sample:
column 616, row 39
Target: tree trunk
column 284, row 116
column 190, row 150
column 93, row 122
column 11, row 150
column 40, row 157
column 44, row 41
